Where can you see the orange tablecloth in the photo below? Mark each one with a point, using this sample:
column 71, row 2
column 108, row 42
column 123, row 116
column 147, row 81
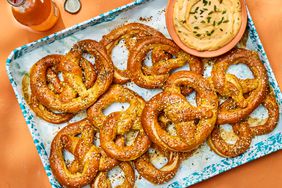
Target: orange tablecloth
column 20, row 165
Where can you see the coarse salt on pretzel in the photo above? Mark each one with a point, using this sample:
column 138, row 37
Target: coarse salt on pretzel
column 118, row 93
column 225, row 149
column 131, row 33
column 40, row 110
column 183, row 115
column 109, row 132
column 85, row 165
column 77, row 96
column 158, row 176
column 156, row 75
column 102, row 181
column 229, row 87
column 244, row 130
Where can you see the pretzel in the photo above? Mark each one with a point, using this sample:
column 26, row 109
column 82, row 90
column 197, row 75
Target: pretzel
column 75, row 95
column 85, row 166
column 158, row 176
column 118, row 93
column 155, row 76
column 131, row 34
column 108, row 133
column 271, row 122
column 228, row 86
column 244, row 131
column 40, row 110
column 101, row 181
column 177, row 109
column 224, row 149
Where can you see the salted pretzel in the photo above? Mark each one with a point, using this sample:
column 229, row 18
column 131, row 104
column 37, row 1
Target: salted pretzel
column 108, row 134
column 158, row 176
column 102, row 181
column 228, row 85
column 156, row 75
column 131, row 34
column 129, row 117
column 172, row 104
column 85, row 165
column 75, row 95
column 244, row 131
column 39, row 109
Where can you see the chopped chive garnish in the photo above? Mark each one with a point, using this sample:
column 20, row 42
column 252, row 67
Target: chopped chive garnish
column 196, row 17
column 201, row 12
column 184, row 21
column 213, row 23
column 192, row 12
column 203, row 22
column 210, row 33
column 198, row 35
column 220, row 1
column 220, row 22
column 209, row 19
column 210, row 12
column 221, row 29
column 196, row 27
column 196, row 9
column 214, row 8
column 209, row 2
column 226, row 21
column 194, row 31
column 224, row 12
column 205, row 9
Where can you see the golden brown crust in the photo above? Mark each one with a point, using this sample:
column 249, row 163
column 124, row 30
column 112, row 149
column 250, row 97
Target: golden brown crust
column 229, row 87
column 39, row 109
column 131, row 34
column 158, row 176
column 155, row 76
column 270, row 124
column 73, row 78
column 181, row 113
column 102, row 181
column 222, row 148
column 86, row 163
column 108, row 134
column 118, row 93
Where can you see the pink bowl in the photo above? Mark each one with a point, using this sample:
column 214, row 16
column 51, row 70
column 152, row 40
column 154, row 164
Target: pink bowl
column 222, row 50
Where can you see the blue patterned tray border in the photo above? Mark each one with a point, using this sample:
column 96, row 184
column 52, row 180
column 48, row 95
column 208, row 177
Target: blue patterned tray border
column 272, row 144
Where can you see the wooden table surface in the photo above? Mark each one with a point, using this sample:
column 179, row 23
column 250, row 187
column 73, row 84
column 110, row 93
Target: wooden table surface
column 19, row 162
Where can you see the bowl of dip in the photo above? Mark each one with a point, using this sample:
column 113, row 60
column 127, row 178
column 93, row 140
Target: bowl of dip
column 206, row 28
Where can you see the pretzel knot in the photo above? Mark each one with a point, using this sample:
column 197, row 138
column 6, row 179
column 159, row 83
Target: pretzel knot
column 85, row 165
column 245, row 130
column 174, row 107
column 158, row 176
column 156, row 75
column 39, row 109
column 128, row 118
column 102, row 181
column 81, row 86
column 228, row 85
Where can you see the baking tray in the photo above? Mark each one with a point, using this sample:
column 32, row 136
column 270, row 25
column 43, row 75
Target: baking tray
column 203, row 164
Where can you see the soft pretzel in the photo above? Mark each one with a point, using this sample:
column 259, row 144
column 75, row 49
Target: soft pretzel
column 158, row 176
column 109, row 132
column 244, row 131
column 39, row 109
column 229, row 86
column 155, row 76
column 178, row 110
column 224, row 149
column 85, row 166
column 75, row 95
column 101, row 181
column 131, row 34
column 129, row 117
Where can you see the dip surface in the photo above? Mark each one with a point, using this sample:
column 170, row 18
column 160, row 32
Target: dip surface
column 207, row 25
